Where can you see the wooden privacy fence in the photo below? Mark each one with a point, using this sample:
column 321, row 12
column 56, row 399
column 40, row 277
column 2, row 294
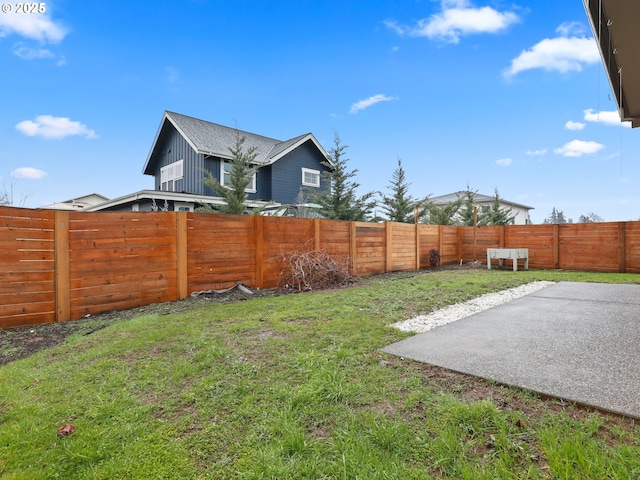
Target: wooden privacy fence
column 60, row 265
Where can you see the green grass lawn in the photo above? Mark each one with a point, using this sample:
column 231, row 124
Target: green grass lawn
column 295, row 387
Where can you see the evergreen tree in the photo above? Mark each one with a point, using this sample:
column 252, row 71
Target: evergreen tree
column 241, row 171
column 467, row 211
column 444, row 215
column 556, row 216
column 399, row 206
column 340, row 201
column 494, row 214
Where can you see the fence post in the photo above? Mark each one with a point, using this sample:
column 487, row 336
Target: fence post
column 353, row 242
column 622, row 247
column 388, row 247
column 316, row 234
column 61, row 266
column 459, row 240
column 556, row 246
column 258, row 228
column 440, row 242
column 181, row 255
column 417, row 230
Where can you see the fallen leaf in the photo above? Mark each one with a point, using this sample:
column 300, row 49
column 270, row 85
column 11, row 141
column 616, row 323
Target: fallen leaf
column 66, row 430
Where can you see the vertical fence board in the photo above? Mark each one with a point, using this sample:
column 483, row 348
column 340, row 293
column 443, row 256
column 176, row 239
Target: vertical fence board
column 259, row 250
column 61, row 259
column 632, row 247
column 622, row 248
column 182, row 255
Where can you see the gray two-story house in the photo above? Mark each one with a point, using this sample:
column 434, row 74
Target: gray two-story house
column 185, row 148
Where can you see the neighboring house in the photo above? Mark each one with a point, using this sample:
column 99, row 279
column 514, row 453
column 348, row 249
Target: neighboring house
column 79, row 203
column 185, row 147
column 520, row 211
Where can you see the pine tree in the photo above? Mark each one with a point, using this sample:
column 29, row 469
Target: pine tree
column 495, row 214
column 399, row 206
column 241, row 172
column 340, row 201
column 557, row 216
column 444, row 215
column 467, row 211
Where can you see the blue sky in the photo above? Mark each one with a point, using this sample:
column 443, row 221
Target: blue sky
column 493, row 94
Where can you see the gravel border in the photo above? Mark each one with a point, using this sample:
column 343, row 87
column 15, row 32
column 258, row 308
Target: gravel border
column 423, row 323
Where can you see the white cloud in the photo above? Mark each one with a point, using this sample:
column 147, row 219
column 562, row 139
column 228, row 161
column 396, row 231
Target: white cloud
column 35, row 26
column 28, row 172
column 570, row 125
column 48, row 126
column 578, row 148
column 536, row 153
column 368, row 102
column 571, row 28
column 457, row 18
column 504, row 162
column 561, row 54
column 27, row 53
column 608, row 118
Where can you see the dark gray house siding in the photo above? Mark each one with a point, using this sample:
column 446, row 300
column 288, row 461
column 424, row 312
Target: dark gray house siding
column 286, row 173
column 172, row 147
column 200, row 145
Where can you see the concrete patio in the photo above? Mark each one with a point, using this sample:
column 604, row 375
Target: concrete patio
column 575, row 341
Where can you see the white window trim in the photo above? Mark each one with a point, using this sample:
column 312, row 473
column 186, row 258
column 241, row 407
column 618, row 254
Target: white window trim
column 185, row 206
column 251, row 188
column 169, row 174
column 314, row 172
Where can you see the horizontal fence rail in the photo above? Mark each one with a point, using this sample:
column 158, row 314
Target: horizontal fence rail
column 60, row 265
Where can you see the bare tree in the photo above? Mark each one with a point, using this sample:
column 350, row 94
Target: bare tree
column 8, row 194
column 591, row 217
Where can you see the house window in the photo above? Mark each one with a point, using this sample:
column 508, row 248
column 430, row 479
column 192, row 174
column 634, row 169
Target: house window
column 310, row 178
column 183, row 207
column 170, row 174
column 225, row 177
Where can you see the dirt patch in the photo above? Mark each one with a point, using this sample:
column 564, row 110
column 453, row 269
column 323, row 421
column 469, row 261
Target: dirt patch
column 21, row 342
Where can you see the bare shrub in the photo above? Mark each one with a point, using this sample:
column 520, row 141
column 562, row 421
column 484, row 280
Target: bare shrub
column 313, row 270
column 434, row 258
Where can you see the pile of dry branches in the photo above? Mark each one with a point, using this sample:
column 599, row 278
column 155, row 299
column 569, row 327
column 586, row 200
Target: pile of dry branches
column 313, row 270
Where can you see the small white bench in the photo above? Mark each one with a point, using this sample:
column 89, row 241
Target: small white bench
column 513, row 254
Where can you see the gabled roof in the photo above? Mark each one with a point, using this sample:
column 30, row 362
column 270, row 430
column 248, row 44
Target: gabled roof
column 615, row 25
column 212, row 139
column 78, row 203
column 479, row 199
